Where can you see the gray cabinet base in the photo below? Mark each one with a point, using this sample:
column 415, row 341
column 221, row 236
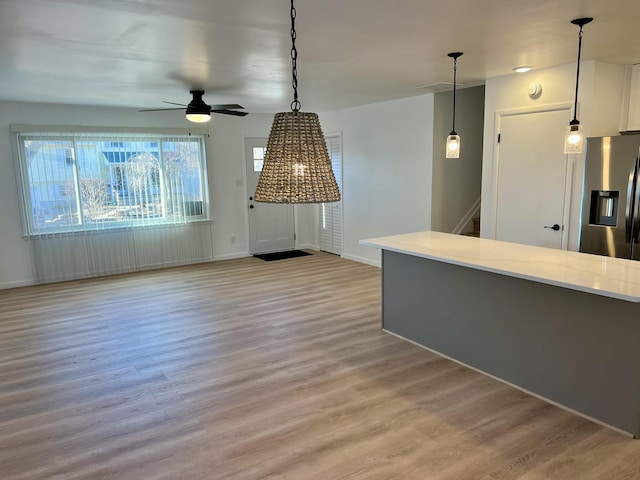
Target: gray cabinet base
column 576, row 349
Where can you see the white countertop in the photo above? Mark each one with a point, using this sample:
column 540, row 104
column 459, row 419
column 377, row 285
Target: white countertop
column 606, row 276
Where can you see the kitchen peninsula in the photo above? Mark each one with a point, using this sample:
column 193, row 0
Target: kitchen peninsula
column 564, row 326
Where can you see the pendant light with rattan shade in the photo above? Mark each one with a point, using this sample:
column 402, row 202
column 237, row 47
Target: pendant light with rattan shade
column 297, row 167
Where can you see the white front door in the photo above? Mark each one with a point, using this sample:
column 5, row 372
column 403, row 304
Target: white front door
column 532, row 179
column 271, row 226
column 331, row 213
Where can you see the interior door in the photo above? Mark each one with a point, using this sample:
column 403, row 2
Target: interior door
column 271, row 225
column 532, row 178
column 331, row 213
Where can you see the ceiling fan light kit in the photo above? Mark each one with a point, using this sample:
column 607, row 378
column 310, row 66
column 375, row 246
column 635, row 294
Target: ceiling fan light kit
column 296, row 167
column 574, row 136
column 198, row 117
column 197, row 110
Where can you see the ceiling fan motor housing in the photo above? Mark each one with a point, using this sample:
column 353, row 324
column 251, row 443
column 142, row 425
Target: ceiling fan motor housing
column 197, row 105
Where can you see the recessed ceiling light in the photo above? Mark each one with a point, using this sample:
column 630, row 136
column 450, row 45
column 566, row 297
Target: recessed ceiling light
column 522, row 69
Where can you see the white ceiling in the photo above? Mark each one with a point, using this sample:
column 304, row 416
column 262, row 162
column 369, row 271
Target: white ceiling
column 139, row 52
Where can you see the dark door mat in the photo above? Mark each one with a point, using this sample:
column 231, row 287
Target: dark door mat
column 269, row 257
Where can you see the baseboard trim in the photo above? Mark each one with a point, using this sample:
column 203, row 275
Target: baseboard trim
column 231, row 256
column 308, row 246
column 17, row 284
column 368, row 261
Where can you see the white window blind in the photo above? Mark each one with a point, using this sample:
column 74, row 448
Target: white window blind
column 331, row 213
column 76, row 182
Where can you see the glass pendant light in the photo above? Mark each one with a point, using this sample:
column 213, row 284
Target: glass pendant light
column 574, row 137
column 453, row 140
column 297, row 167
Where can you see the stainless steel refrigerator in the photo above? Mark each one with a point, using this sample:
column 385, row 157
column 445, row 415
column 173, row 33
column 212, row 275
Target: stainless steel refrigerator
column 611, row 197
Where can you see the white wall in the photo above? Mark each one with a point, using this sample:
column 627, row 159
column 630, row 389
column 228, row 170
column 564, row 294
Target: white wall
column 387, row 159
column 225, row 151
column 600, row 98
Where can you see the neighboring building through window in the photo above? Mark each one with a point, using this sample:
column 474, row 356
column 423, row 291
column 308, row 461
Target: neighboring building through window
column 77, row 182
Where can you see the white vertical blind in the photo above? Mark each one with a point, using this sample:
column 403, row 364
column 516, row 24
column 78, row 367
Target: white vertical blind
column 331, row 213
column 90, row 181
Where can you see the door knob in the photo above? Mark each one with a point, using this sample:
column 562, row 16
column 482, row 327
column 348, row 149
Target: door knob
column 555, row 227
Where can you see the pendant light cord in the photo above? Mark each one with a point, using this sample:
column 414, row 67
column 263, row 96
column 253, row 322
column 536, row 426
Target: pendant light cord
column 295, row 105
column 455, row 72
column 575, row 103
column 580, row 22
column 455, row 56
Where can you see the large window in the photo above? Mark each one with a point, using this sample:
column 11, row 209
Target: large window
column 87, row 181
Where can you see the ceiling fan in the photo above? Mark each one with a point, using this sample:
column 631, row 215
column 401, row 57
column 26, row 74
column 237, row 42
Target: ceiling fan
column 199, row 112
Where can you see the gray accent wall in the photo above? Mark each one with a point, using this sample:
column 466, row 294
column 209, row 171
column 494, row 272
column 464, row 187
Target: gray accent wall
column 456, row 181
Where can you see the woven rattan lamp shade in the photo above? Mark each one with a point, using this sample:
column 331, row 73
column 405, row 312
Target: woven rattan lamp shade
column 296, row 167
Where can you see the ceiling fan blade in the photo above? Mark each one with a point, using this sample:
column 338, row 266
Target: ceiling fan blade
column 161, row 109
column 230, row 112
column 227, row 106
column 174, row 103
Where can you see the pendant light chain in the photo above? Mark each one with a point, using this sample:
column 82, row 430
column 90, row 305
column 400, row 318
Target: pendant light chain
column 295, row 105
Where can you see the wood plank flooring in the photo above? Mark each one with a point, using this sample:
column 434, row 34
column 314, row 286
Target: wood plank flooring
column 245, row 369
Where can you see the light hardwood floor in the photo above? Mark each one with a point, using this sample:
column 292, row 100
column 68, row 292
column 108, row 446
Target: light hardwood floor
column 246, row 369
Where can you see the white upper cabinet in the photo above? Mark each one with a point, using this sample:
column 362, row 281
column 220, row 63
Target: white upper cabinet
column 630, row 120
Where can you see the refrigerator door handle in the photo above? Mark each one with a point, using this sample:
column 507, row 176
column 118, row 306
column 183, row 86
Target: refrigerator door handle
column 630, row 207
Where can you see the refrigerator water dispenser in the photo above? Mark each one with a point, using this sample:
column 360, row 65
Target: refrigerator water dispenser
column 604, row 207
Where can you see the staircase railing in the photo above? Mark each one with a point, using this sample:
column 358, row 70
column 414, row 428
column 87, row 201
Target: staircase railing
column 468, row 217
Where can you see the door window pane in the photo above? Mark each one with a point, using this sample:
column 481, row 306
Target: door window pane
column 258, row 158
